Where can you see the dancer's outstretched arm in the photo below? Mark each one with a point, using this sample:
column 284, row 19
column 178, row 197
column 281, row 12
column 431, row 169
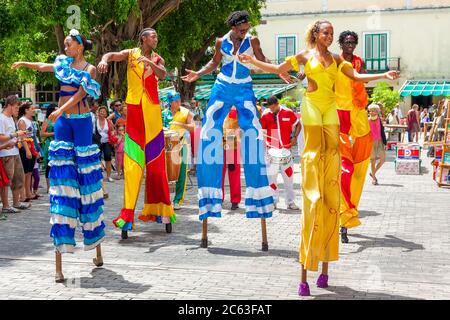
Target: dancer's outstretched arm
column 273, row 68
column 39, row 66
column 208, row 68
column 354, row 75
column 112, row 56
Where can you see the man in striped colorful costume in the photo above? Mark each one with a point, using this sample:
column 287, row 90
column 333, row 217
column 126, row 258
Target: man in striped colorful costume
column 144, row 139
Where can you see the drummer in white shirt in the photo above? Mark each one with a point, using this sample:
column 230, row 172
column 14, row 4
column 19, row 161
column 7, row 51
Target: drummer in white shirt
column 279, row 123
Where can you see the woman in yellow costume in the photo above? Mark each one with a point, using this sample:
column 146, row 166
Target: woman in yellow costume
column 144, row 138
column 320, row 158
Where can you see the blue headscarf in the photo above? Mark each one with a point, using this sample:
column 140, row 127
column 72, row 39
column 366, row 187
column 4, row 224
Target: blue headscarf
column 173, row 96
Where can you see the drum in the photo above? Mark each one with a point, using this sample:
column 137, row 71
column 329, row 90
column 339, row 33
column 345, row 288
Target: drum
column 279, row 156
column 230, row 141
column 172, row 147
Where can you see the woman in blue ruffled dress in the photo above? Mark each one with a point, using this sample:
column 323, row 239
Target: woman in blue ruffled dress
column 76, row 196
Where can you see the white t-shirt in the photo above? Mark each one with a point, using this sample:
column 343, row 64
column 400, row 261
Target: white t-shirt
column 103, row 131
column 7, row 126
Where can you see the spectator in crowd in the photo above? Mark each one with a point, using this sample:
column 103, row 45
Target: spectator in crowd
column 120, row 151
column 27, row 150
column 104, row 127
column 35, row 176
column 10, row 157
column 47, row 136
column 412, row 120
column 116, row 107
column 122, row 121
column 379, row 141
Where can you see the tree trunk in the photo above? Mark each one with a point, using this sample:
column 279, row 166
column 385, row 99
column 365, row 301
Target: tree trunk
column 111, row 37
column 59, row 32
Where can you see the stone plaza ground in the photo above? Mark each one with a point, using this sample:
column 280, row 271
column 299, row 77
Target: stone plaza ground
column 401, row 251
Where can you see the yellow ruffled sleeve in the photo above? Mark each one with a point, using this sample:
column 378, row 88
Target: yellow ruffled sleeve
column 293, row 62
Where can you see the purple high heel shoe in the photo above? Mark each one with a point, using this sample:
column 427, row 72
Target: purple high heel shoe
column 322, row 281
column 303, row 289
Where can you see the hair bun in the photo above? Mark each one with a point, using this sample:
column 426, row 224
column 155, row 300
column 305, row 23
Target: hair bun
column 88, row 45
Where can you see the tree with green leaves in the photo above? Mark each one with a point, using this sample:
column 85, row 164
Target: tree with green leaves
column 382, row 93
column 35, row 31
column 187, row 35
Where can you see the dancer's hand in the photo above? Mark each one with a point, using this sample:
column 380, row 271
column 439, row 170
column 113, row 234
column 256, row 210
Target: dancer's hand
column 293, row 142
column 191, row 76
column 244, row 58
column 10, row 144
column 102, row 67
column 392, row 75
column 55, row 115
column 144, row 59
column 301, row 75
column 286, row 77
column 16, row 65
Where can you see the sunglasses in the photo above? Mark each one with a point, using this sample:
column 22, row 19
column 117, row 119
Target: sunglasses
column 350, row 43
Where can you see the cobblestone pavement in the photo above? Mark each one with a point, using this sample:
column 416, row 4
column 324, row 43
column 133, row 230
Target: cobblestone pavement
column 401, row 251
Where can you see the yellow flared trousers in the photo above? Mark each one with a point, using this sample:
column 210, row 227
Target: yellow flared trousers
column 321, row 183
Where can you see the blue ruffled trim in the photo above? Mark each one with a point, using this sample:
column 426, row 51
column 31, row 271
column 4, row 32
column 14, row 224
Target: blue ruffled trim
column 90, row 178
column 97, row 234
column 63, row 172
column 62, row 210
column 61, row 154
column 209, row 201
column 64, row 182
column 259, row 203
column 92, row 207
column 61, row 144
column 254, row 214
column 91, row 217
column 85, row 149
column 88, row 242
column 84, row 162
column 91, row 188
column 210, row 214
column 58, row 241
column 66, row 74
column 74, row 203
column 62, row 231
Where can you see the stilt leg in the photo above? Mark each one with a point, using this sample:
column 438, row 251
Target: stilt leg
column 169, row 228
column 59, row 277
column 265, row 244
column 205, row 234
column 124, row 234
column 98, row 261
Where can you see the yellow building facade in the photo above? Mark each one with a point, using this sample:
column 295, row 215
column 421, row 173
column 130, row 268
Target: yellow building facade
column 406, row 35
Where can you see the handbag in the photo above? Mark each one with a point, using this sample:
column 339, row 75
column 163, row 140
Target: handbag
column 96, row 137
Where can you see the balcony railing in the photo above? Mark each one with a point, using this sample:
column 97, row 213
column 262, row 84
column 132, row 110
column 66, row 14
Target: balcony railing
column 378, row 65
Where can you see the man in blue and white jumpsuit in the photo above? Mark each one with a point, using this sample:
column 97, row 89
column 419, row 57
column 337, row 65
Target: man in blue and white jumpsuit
column 233, row 87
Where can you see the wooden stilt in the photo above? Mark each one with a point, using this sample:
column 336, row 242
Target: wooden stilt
column 325, row 268
column 265, row 244
column 204, row 243
column 304, row 274
column 59, row 277
column 124, row 234
column 168, row 228
column 98, row 261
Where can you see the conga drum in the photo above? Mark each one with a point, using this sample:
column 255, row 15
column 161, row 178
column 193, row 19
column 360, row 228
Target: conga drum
column 172, row 147
column 230, row 141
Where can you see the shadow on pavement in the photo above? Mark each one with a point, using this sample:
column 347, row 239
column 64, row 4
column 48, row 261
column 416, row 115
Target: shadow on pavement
column 243, row 253
column 346, row 293
column 389, row 241
column 108, row 279
column 366, row 213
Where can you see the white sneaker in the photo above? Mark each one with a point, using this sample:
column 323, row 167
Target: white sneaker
column 293, row 206
column 110, row 179
column 176, row 206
